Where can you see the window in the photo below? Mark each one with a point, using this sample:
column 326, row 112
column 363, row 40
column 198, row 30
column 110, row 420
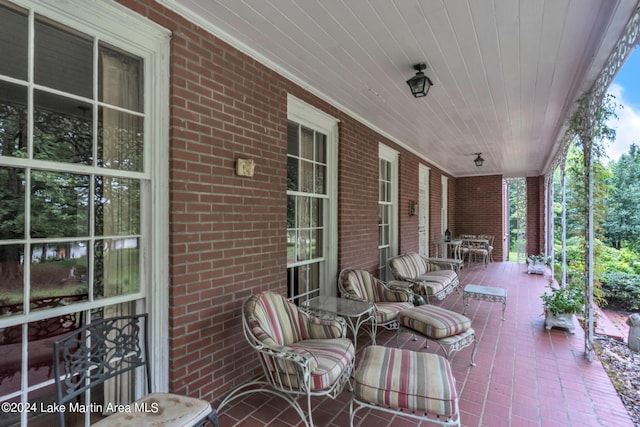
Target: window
column 387, row 208
column 445, row 205
column 311, row 202
column 76, row 179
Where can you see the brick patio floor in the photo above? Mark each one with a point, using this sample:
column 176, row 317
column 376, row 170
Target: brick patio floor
column 524, row 375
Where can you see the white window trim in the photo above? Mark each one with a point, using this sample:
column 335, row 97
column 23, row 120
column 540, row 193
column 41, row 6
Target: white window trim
column 444, row 220
column 392, row 156
column 126, row 29
column 302, row 113
column 425, row 171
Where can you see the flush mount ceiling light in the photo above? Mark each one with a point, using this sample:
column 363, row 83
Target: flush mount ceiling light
column 420, row 83
column 479, row 160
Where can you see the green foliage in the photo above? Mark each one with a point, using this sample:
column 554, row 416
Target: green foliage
column 545, row 259
column 576, row 268
column 622, row 226
column 622, row 290
column 564, row 300
column 576, row 194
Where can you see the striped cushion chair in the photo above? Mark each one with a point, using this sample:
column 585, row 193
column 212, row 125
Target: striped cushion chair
column 405, row 382
column 300, row 354
column 360, row 285
column 429, row 279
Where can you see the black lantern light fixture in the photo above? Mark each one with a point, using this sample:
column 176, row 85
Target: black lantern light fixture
column 479, row 161
column 420, row 83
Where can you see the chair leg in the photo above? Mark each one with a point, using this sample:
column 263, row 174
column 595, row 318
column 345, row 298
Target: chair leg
column 213, row 418
column 310, row 411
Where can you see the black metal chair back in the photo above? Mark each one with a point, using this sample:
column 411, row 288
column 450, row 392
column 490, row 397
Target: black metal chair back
column 97, row 352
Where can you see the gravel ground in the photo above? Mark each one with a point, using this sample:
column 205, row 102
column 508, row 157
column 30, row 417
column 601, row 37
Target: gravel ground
column 623, row 367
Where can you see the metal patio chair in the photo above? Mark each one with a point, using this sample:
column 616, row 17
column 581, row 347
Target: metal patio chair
column 112, row 347
column 302, row 355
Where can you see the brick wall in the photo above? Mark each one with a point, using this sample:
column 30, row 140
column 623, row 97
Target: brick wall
column 227, row 233
column 479, row 209
column 535, row 218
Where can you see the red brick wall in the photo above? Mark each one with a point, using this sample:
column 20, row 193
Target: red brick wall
column 535, row 215
column 479, row 209
column 227, row 233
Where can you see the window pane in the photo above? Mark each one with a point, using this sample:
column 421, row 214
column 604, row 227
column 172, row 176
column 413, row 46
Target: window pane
column 317, row 213
column 117, row 267
column 63, row 59
column 321, row 148
column 12, row 288
column 291, row 211
column 316, row 244
column 320, row 173
column 292, row 174
column 13, row 120
column 63, row 129
column 59, row 204
column 304, row 212
column 10, row 369
column 385, row 254
column 306, row 176
column 12, row 183
column 58, row 270
column 120, row 79
column 306, row 145
column 121, row 140
column 14, row 33
column 117, row 206
column 291, row 247
column 304, row 245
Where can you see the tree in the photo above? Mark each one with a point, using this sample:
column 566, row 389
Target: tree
column 622, row 227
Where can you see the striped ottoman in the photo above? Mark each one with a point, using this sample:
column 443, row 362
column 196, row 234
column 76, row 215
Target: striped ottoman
column 409, row 383
column 452, row 331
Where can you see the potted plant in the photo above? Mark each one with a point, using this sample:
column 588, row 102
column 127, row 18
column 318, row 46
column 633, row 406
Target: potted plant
column 561, row 304
column 537, row 264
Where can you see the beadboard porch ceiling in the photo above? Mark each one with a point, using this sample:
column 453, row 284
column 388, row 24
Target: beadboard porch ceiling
column 506, row 73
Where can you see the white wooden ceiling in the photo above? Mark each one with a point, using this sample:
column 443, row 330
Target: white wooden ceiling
column 506, row 73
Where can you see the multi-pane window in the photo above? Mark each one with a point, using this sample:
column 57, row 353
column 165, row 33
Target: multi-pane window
column 385, row 206
column 307, row 201
column 73, row 185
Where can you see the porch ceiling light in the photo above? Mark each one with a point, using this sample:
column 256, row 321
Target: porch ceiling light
column 420, row 83
column 479, row 160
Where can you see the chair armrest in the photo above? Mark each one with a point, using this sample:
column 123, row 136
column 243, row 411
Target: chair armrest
column 440, row 264
column 387, row 293
column 323, row 325
column 283, row 362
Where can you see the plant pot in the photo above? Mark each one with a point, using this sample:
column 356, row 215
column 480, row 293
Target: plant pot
column 537, row 267
column 560, row 320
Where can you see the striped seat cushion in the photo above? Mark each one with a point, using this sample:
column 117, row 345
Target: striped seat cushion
column 443, row 277
column 332, row 356
column 434, row 322
column 406, row 380
column 387, row 312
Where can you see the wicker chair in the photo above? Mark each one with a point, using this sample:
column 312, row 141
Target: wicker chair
column 301, row 354
column 361, row 285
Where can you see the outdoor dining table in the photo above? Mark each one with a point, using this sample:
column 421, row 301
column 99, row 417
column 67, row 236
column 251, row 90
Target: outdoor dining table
column 476, row 243
column 444, row 248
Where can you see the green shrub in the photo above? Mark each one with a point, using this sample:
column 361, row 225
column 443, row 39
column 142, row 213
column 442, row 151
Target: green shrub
column 559, row 300
column 622, row 290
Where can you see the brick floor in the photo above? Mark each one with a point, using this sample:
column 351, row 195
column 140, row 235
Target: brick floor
column 524, row 375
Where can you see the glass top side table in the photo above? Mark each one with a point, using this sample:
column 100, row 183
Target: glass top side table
column 355, row 313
